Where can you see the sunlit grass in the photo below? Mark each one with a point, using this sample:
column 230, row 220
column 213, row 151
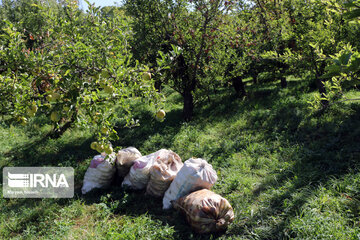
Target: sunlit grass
column 287, row 171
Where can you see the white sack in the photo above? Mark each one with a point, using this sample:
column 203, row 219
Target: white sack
column 196, row 174
column 139, row 174
column 125, row 159
column 167, row 164
column 101, row 176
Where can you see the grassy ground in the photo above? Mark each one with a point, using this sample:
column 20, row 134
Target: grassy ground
column 288, row 173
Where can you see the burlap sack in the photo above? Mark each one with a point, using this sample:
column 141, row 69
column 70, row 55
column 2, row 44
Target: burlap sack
column 206, row 211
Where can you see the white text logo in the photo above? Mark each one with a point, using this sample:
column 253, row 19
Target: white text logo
column 35, row 180
column 38, row 182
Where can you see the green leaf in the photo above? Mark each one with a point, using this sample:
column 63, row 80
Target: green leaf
column 344, row 59
column 105, row 74
column 352, row 14
column 337, row 62
column 67, row 72
column 333, row 69
column 351, row 3
column 355, row 65
column 313, row 45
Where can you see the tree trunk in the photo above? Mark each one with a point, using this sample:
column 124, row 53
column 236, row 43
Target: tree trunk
column 239, row 86
column 255, row 78
column 58, row 132
column 215, row 89
column 188, row 109
column 320, row 84
column 283, row 82
column 157, row 85
column 282, row 67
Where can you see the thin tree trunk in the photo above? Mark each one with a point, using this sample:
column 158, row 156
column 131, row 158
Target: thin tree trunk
column 214, row 89
column 319, row 71
column 282, row 68
column 58, row 132
column 283, row 82
column 239, row 86
column 188, row 109
column 157, row 85
column 320, row 85
column 255, row 78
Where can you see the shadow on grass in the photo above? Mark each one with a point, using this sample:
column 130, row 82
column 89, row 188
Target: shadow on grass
column 136, row 203
column 47, row 152
column 286, row 121
column 327, row 147
column 34, row 153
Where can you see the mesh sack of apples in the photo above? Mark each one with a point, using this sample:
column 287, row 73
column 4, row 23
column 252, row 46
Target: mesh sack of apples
column 206, row 211
column 99, row 174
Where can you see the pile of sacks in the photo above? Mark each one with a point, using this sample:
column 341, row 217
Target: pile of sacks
column 185, row 186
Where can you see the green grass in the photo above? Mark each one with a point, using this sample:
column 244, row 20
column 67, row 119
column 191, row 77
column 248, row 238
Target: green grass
column 289, row 173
